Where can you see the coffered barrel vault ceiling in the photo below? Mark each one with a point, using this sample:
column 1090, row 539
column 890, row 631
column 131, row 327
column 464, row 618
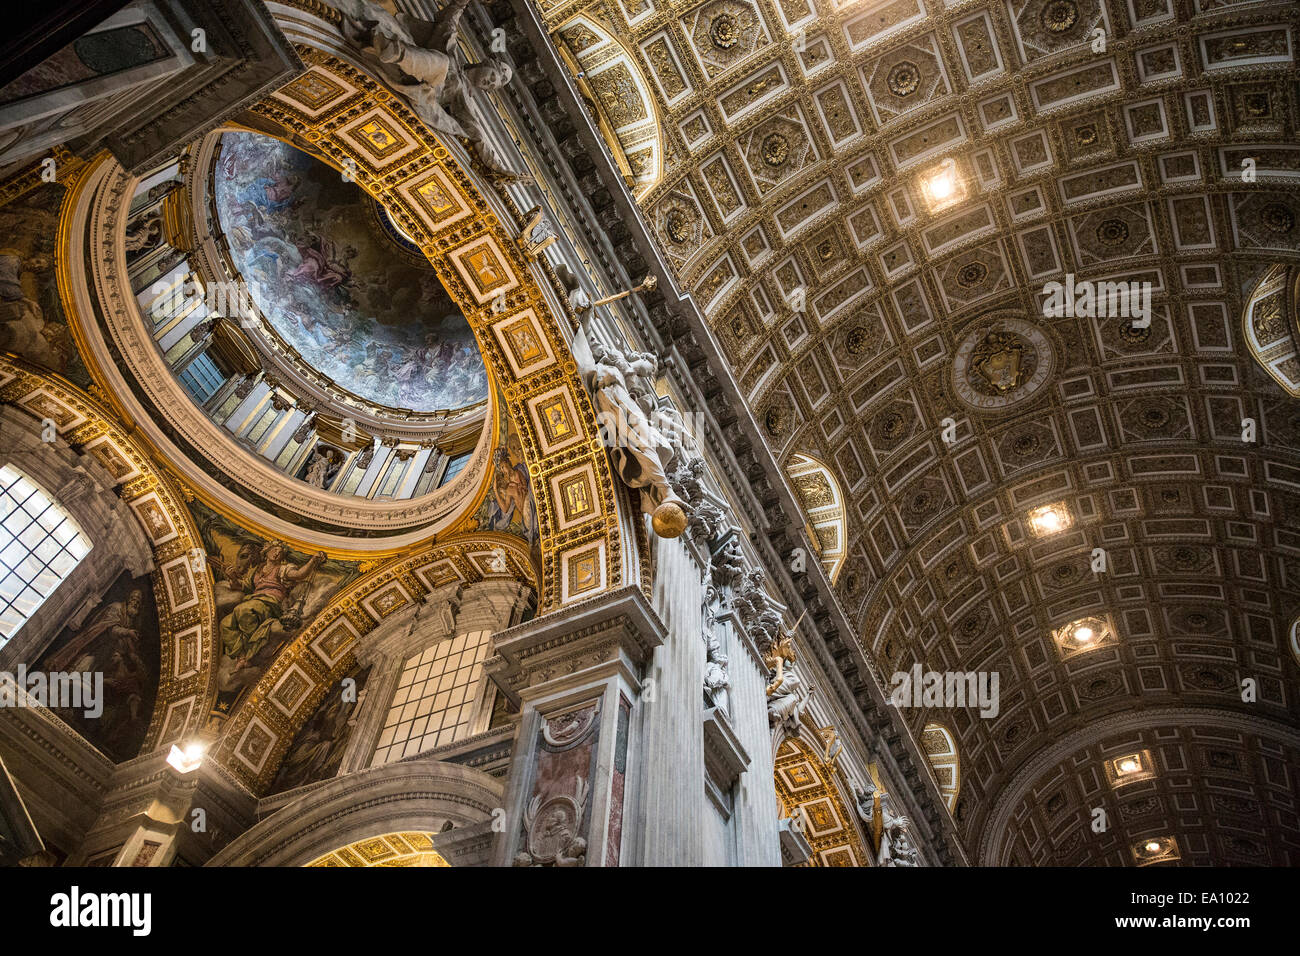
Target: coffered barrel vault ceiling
column 866, row 304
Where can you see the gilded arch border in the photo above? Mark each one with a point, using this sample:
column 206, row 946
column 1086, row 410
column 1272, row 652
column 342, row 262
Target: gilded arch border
column 185, row 608
column 360, row 126
column 255, row 738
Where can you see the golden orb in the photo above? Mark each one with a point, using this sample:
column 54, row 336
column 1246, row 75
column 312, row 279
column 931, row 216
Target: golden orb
column 669, row 520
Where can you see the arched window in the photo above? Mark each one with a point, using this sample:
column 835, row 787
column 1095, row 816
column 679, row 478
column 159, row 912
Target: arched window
column 940, row 747
column 437, row 699
column 823, row 504
column 40, row 544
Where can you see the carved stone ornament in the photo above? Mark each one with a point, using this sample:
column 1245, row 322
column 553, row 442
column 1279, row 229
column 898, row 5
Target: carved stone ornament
column 551, row 828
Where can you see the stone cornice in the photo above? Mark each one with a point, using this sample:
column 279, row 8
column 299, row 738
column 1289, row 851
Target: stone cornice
column 589, row 633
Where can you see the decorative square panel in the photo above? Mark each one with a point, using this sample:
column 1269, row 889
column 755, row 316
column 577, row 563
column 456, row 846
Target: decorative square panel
column 681, row 226
column 978, row 46
column 525, row 345
column 381, row 139
column 723, row 33
column 115, row 461
column 484, row 268
column 582, row 571
column 434, row 195
column 178, row 716
column 839, row 856
column 666, row 68
column 1045, row 27
column 1146, row 121
column 153, row 517
column 188, row 647
column 334, row 640
column 255, row 745
column 574, row 493
column 314, row 93
column 1115, row 232
column 821, row 818
column 387, row 599
column 178, row 580
column 905, row 78
column 555, row 419
column 799, row 776
column 437, row 573
column 45, row 406
column 294, row 685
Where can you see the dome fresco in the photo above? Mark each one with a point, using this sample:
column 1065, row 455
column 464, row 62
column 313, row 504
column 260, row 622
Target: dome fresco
column 338, row 288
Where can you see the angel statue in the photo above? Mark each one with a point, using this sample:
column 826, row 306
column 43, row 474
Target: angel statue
column 642, row 440
column 896, row 848
column 418, row 58
column 786, row 694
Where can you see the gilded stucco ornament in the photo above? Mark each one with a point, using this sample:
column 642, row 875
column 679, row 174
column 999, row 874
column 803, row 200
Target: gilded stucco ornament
column 419, row 58
column 1001, row 363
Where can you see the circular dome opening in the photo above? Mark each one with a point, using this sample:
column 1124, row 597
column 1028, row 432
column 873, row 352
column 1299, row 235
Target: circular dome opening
column 337, row 283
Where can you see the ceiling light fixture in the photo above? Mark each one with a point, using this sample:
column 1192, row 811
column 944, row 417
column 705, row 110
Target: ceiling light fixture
column 1084, row 634
column 1049, row 519
column 189, row 758
column 1129, row 768
column 942, row 187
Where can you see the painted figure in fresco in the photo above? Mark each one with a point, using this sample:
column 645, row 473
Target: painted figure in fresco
column 32, row 323
column 112, row 642
column 119, row 621
column 23, row 329
column 322, row 265
column 318, row 748
column 512, row 499
column 266, row 608
column 376, row 323
column 270, row 193
column 227, row 592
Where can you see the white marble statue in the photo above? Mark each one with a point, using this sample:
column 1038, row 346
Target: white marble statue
column 786, row 694
column 716, row 680
column 896, row 848
column 419, row 59
column 641, row 440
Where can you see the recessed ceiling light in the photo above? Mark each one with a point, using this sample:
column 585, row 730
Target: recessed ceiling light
column 1083, row 634
column 1129, row 765
column 1049, row 519
column 942, row 187
column 1153, row 846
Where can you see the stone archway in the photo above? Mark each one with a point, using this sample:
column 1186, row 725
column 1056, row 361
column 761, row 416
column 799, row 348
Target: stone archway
column 416, row 795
